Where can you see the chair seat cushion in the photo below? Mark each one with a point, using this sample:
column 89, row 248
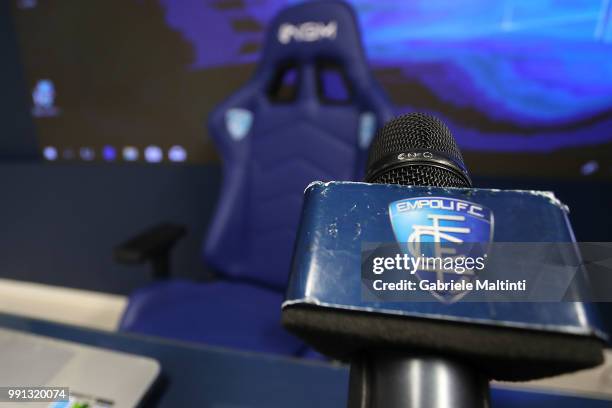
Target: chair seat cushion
column 219, row 313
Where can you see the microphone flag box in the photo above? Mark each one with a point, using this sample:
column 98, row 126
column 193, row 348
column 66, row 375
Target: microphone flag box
column 478, row 256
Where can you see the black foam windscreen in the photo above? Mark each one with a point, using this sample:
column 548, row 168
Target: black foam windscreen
column 499, row 352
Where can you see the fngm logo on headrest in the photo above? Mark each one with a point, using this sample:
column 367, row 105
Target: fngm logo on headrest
column 307, row 32
column 442, row 228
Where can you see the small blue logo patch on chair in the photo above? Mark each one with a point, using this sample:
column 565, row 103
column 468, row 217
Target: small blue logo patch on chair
column 238, row 122
column 367, row 129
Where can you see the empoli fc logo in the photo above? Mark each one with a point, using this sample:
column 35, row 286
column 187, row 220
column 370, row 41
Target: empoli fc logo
column 439, row 228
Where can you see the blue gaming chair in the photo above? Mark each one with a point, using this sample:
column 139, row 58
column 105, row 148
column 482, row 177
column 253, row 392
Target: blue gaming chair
column 308, row 113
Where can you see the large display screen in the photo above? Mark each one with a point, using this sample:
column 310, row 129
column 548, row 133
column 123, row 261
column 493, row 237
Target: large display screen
column 525, row 86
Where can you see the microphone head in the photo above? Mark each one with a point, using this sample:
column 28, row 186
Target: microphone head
column 416, row 149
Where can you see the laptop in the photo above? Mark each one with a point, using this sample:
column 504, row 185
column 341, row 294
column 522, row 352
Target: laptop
column 96, row 378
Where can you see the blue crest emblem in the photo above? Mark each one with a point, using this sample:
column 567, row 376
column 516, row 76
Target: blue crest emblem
column 442, row 228
column 238, row 122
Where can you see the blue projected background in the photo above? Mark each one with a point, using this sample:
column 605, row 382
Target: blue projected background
column 515, row 80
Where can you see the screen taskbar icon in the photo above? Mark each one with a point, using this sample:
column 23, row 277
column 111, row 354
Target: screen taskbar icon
column 130, row 153
column 50, row 153
column 177, row 154
column 153, row 154
column 109, row 153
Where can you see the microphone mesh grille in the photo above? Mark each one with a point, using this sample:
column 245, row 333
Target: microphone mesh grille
column 411, row 132
column 419, row 175
column 414, row 131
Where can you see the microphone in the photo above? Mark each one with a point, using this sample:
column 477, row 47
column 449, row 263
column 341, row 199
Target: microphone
column 415, row 149
column 437, row 353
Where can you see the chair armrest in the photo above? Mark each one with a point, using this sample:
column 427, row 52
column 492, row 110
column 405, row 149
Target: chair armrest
column 152, row 245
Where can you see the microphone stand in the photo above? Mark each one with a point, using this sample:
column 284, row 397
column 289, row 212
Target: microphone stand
column 400, row 380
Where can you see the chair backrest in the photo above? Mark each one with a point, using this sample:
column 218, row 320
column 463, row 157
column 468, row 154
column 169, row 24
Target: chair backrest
column 308, row 113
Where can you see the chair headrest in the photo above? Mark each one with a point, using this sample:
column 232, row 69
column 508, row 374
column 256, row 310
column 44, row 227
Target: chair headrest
column 314, row 30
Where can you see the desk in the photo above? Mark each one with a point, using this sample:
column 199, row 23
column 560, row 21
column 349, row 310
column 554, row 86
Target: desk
column 197, row 376
column 200, row 376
